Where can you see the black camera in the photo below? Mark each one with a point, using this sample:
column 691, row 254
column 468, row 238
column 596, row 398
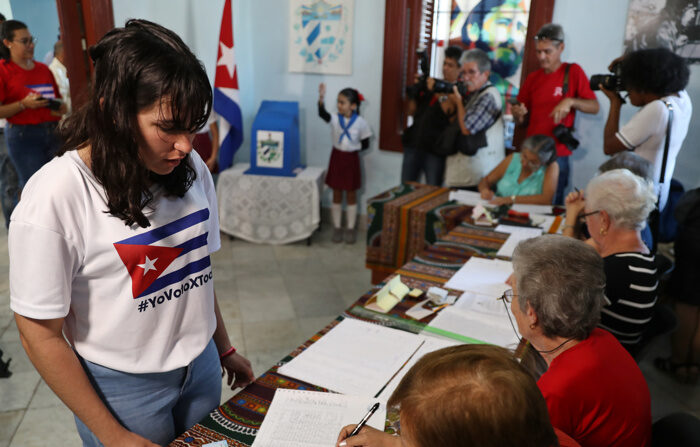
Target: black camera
column 414, row 90
column 442, row 86
column 565, row 136
column 612, row 81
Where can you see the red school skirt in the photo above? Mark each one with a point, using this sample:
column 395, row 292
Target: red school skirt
column 344, row 171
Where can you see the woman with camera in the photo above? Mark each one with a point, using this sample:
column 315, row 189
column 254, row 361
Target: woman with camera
column 28, row 93
column 655, row 80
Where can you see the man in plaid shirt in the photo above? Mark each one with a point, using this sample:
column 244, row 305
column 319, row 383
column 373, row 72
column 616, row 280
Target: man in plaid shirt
column 479, row 112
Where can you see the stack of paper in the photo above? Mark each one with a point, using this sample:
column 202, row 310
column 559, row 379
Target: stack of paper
column 537, row 209
column 517, row 234
column 485, row 276
column 478, row 316
column 466, row 197
column 354, row 357
column 307, row 418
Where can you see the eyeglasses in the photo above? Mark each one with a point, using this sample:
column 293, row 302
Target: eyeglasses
column 584, row 215
column 507, row 298
column 27, row 41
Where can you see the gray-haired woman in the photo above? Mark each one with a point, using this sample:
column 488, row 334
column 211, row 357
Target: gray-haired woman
column 594, row 390
column 615, row 207
column 528, row 176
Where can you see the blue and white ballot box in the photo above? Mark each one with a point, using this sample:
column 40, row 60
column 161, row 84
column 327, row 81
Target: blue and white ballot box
column 274, row 149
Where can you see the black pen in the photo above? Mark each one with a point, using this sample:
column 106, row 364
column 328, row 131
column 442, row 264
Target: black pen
column 364, row 420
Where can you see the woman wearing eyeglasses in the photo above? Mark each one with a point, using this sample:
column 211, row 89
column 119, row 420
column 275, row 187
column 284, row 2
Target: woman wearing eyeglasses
column 594, row 390
column 615, row 208
column 28, row 99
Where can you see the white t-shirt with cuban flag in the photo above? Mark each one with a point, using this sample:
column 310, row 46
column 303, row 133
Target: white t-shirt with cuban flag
column 137, row 300
column 348, row 136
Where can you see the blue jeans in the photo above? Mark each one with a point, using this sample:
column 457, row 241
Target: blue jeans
column 157, row 406
column 31, row 146
column 563, row 182
column 9, row 183
column 416, row 161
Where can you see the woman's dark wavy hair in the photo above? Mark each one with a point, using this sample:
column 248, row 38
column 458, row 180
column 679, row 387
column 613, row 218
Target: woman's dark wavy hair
column 136, row 67
column 655, row 70
column 7, row 31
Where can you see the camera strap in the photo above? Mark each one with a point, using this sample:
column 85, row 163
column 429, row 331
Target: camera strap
column 565, row 87
column 669, row 106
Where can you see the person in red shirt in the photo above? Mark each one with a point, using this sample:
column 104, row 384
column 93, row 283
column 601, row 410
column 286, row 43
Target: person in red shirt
column 594, row 390
column 29, row 99
column 544, row 101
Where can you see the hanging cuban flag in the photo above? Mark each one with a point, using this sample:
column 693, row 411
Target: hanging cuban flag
column 226, row 99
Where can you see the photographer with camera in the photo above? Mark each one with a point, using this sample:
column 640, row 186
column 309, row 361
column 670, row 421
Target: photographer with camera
column 550, row 96
column 655, row 80
column 479, row 142
column 431, row 114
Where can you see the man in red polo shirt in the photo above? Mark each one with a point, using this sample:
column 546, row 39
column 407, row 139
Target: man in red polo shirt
column 545, row 101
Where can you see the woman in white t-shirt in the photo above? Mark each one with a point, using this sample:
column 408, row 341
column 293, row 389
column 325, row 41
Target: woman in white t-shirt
column 110, row 247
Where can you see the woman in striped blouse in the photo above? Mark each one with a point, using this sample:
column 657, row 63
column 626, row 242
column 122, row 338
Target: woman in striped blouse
column 615, row 207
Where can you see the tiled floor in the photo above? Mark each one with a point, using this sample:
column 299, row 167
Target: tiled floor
column 272, row 298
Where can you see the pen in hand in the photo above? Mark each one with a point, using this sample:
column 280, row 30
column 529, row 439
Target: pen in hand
column 364, row 420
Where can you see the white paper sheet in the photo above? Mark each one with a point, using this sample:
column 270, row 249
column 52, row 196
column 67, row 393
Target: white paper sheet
column 430, row 344
column 355, row 358
column 517, row 234
column 485, row 276
column 471, row 198
column 537, row 209
column 486, row 327
column 299, row 418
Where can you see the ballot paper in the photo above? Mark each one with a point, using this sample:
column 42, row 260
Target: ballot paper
column 311, row 418
column 464, row 197
column 355, row 357
column 478, row 316
column 485, row 276
column 536, row 209
column 517, row 234
column 430, row 344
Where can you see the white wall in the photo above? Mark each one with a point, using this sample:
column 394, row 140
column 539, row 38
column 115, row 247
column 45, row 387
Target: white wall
column 594, row 31
column 260, row 37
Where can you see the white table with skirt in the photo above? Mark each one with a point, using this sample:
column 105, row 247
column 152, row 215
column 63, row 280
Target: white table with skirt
column 270, row 209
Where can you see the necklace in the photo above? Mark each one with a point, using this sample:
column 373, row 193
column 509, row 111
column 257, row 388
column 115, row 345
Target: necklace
column 555, row 349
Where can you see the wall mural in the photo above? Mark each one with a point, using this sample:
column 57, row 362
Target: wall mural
column 498, row 27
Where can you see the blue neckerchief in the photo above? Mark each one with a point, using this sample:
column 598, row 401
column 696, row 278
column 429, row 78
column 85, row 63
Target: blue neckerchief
column 341, row 120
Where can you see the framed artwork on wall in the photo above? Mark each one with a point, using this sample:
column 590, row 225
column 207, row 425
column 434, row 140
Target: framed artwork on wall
column 672, row 24
column 320, row 36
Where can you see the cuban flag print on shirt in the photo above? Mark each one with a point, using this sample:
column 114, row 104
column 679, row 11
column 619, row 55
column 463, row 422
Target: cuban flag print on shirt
column 226, row 98
column 45, row 90
column 167, row 255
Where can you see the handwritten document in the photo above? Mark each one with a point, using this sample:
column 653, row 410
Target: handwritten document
column 299, row 418
column 355, row 357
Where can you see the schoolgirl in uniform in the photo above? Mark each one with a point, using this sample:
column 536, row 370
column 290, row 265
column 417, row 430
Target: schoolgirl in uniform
column 350, row 134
